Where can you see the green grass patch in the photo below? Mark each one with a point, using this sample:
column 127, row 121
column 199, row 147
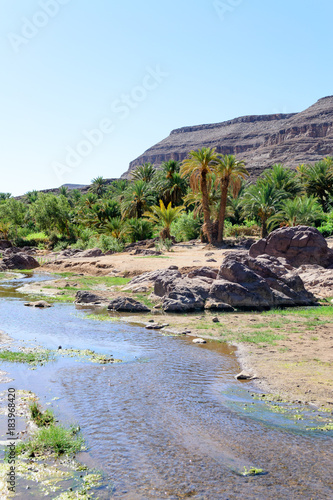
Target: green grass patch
column 262, row 337
column 257, row 325
column 54, row 439
column 33, row 358
column 100, row 317
column 307, row 312
column 41, row 419
column 41, row 236
column 87, row 281
column 144, row 300
column 153, row 257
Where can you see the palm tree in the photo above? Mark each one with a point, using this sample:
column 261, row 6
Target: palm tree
column 90, row 199
column 170, row 168
column 138, row 229
column 164, row 216
column 63, row 191
column 304, row 210
column 283, row 179
column 98, row 186
column 229, row 171
column 5, row 228
column 115, row 227
column 262, row 201
column 198, row 166
column 144, row 173
column 136, row 200
column 193, row 200
column 5, row 196
column 319, row 181
column 31, row 196
column 234, row 203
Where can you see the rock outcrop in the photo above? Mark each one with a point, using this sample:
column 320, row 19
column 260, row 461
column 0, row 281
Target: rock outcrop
column 88, row 298
column 298, row 245
column 18, row 261
column 242, row 282
column 4, row 244
column 261, row 141
column 127, row 304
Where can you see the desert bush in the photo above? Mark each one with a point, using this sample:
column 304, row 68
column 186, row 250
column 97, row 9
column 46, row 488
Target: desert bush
column 186, row 227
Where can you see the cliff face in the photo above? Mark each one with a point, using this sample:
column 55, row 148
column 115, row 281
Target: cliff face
column 261, row 141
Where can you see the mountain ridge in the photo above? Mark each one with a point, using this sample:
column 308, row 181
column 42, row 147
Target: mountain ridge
column 260, row 140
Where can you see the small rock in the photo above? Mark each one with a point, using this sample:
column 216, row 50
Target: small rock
column 199, row 341
column 39, row 303
column 216, row 320
column 211, row 260
column 244, row 376
column 209, row 254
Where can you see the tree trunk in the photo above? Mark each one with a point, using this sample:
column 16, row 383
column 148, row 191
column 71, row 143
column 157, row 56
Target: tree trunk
column 223, row 206
column 264, row 231
column 205, row 207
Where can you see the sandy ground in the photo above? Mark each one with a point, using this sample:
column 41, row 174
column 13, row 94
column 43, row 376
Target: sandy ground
column 186, row 256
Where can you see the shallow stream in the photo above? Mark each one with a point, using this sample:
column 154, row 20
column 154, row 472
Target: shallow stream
column 171, row 421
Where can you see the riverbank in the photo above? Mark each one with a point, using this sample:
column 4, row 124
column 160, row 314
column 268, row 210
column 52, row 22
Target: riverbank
column 289, row 352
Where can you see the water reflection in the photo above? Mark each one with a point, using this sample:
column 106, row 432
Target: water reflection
column 159, row 423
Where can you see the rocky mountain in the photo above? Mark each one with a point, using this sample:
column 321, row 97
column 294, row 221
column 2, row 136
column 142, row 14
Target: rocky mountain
column 261, row 140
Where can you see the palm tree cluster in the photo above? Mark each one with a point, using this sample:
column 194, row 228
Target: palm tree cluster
column 208, row 194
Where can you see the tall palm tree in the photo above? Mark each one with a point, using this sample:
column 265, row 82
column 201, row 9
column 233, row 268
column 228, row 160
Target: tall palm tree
column 262, row 201
column 164, row 216
column 229, row 171
column 198, row 167
column 144, row 173
column 319, row 181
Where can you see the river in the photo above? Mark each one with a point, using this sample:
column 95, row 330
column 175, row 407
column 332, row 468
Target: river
column 171, row 421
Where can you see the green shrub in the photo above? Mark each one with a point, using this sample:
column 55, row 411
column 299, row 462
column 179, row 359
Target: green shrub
column 326, row 229
column 107, row 243
column 61, row 245
column 240, row 230
column 186, row 227
column 41, row 419
column 54, row 439
column 138, row 229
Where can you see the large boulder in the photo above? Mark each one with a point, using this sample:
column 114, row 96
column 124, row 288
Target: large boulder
column 185, row 294
column 259, row 283
column 4, row 244
column 241, row 282
column 91, row 252
column 127, row 304
column 84, row 298
column 298, row 245
column 19, row 261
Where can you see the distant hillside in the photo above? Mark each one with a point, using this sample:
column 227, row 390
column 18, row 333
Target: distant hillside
column 84, row 188
column 260, row 140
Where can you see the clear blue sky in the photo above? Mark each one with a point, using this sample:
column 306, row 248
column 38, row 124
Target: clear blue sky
column 137, row 70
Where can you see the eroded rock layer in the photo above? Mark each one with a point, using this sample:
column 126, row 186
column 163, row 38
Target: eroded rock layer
column 261, row 141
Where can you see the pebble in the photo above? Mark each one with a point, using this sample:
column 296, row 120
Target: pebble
column 199, row 341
